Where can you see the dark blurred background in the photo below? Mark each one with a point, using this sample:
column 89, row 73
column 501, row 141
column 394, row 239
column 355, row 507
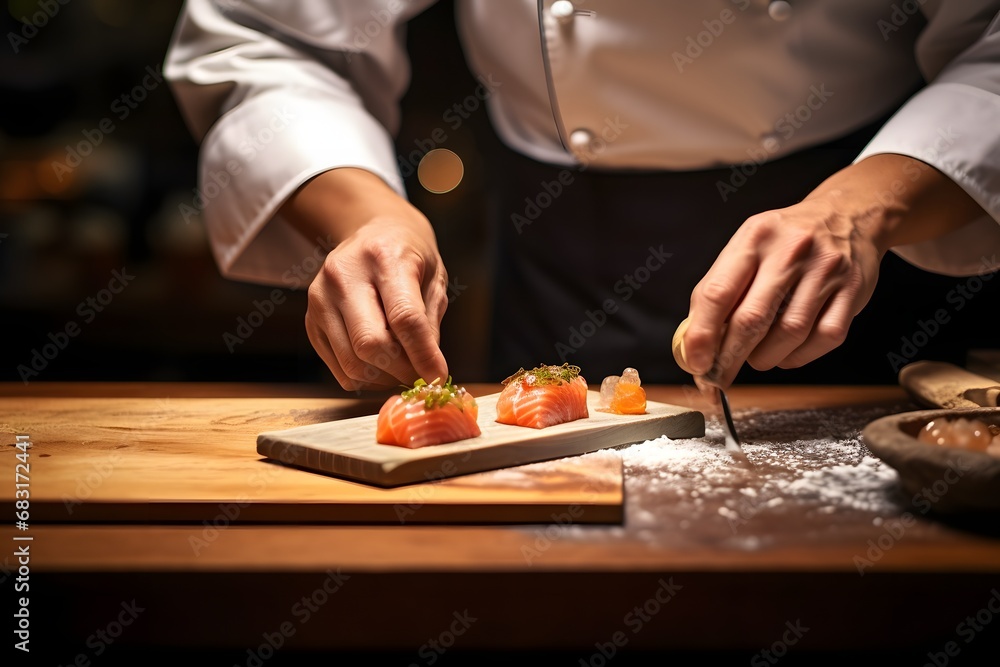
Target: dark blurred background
column 63, row 232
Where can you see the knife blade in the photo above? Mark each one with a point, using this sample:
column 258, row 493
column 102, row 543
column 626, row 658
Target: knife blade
column 733, row 444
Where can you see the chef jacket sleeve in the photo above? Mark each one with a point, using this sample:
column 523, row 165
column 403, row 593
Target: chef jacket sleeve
column 277, row 92
column 953, row 124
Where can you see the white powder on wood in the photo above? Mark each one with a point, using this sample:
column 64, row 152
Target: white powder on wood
column 814, row 478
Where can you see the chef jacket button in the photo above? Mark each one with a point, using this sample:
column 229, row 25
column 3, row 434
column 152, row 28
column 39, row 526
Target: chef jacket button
column 580, row 141
column 779, row 10
column 562, row 11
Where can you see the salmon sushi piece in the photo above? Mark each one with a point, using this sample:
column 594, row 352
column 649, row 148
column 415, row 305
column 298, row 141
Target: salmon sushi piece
column 542, row 397
column 428, row 414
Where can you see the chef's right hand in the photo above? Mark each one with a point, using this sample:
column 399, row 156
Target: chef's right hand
column 375, row 306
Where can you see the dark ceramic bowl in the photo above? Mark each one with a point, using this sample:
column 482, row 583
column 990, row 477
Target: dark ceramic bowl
column 940, row 479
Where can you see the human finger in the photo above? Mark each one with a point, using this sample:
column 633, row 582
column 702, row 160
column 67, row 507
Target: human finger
column 328, row 335
column 794, row 322
column 752, row 318
column 829, row 332
column 406, row 316
column 713, row 300
column 436, row 300
column 376, row 351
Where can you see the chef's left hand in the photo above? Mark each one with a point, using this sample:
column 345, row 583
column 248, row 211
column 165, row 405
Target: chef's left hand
column 785, row 289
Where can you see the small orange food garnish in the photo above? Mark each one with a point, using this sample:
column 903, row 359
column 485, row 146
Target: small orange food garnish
column 623, row 394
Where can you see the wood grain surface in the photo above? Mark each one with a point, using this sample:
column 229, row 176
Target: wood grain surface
column 195, row 460
column 531, row 587
column 348, row 447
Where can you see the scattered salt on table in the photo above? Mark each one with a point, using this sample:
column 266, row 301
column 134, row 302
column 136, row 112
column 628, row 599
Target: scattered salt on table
column 813, row 470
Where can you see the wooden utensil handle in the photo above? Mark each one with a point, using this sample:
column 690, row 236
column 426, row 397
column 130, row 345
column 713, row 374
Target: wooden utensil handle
column 678, row 345
column 987, row 397
column 939, row 384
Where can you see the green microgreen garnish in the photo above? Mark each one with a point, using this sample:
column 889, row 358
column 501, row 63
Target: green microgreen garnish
column 435, row 394
column 547, row 374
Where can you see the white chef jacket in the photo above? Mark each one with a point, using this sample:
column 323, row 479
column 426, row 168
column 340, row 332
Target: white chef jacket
column 279, row 91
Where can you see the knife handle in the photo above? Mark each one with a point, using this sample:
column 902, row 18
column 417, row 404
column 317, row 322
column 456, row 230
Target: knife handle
column 678, row 345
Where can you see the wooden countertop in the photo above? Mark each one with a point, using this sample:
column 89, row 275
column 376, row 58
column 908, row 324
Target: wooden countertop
column 392, row 587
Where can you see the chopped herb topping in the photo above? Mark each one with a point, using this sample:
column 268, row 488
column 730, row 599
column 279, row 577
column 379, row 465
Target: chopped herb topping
column 547, row 374
column 435, row 394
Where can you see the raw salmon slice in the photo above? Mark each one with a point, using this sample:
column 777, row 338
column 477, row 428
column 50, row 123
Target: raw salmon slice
column 544, row 396
column 428, row 414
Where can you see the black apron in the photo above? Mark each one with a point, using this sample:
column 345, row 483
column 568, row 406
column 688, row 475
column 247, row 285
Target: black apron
column 596, row 268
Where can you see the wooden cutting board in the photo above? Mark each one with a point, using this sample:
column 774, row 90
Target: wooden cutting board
column 194, row 461
column 347, row 448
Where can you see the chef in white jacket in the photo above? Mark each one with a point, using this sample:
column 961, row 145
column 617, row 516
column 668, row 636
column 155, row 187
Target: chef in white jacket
column 773, row 151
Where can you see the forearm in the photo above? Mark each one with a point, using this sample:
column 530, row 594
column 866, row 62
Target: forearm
column 897, row 200
column 338, row 203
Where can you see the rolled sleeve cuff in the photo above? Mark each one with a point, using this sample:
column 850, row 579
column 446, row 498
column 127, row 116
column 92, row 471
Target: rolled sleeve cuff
column 258, row 154
column 952, row 127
